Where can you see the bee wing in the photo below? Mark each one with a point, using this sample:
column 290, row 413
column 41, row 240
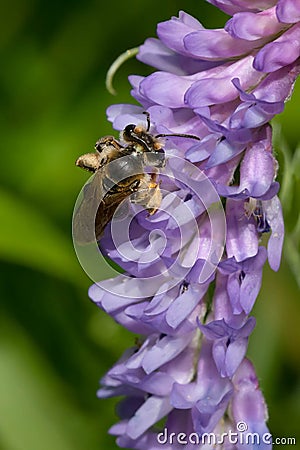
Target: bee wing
column 85, row 214
column 97, row 208
column 108, row 206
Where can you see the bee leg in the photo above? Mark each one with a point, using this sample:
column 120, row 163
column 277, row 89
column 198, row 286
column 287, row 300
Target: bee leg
column 148, row 194
column 154, row 200
column 154, row 196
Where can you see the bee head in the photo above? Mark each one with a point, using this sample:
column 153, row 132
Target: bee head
column 129, row 132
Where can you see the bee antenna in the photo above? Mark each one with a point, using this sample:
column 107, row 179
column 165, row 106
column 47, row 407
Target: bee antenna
column 148, row 119
column 190, row 136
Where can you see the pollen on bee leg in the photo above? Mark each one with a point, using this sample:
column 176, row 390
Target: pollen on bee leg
column 90, row 162
column 157, row 145
column 155, row 199
column 153, row 183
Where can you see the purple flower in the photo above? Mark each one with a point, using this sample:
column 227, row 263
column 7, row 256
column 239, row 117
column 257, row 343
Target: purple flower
column 192, row 275
column 207, row 397
column 170, row 310
column 148, row 375
column 258, row 160
column 254, row 25
column 256, row 111
column 229, row 343
column 244, row 280
column 248, row 405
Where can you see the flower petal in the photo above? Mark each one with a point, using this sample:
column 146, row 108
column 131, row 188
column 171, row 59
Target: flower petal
column 157, row 88
column 172, row 32
column 232, row 6
column 242, row 236
column 215, row 44
column 251, row 284
column 215, row 87
column 154, row 53
column 274, row 217
column 279, row 53
column 252, row 26
column 288, row 11
column 164, row 350
column 153, row 409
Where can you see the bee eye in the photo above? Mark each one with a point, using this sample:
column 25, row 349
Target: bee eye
column 129, row 128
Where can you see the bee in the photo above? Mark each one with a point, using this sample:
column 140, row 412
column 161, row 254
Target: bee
column 119, row 173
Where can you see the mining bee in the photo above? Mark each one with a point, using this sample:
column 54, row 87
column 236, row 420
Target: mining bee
column 119, row 173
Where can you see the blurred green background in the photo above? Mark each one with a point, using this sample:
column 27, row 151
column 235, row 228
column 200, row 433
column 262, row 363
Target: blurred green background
column 54, row 343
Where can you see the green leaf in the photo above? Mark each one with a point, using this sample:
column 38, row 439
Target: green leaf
column 29, row 238
column 291, row 250
column 36, row 410
column 296, row 163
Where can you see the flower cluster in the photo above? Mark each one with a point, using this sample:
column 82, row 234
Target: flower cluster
column 223, row 85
